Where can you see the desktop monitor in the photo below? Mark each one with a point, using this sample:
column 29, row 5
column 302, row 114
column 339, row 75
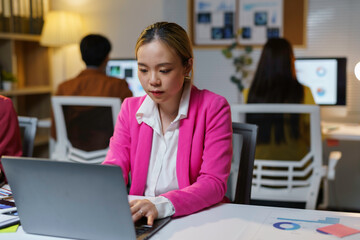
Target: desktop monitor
column 126, row 69
column 326, row 77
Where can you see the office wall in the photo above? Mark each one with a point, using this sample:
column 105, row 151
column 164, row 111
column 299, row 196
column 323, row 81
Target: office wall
column 212, row 70
column 332, row 30
column 120, row 20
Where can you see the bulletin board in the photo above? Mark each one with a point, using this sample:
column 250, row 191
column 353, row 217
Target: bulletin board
column 227, row 17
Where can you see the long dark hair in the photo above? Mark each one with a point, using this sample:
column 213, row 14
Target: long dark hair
column 275, row 82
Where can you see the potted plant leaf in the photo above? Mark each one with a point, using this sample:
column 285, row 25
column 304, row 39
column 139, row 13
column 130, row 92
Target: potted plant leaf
column 240, row 62
column 8, row 79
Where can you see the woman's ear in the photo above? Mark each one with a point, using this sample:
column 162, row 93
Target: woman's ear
column 189, row 66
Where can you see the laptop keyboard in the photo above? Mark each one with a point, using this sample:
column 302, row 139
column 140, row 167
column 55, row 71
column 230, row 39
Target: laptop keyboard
column 144, row 231
column 140, row 230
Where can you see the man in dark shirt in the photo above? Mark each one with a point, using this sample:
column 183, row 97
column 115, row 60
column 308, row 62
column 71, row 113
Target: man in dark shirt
column 89, row 128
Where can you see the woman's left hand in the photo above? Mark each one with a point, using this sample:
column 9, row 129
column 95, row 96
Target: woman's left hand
column 143, row 208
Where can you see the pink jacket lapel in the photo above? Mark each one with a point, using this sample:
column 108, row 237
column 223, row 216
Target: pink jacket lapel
column 141, row 162
column 186, row 131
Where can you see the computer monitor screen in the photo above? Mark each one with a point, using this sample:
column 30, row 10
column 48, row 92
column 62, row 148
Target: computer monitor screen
column 326, row 77
column 126, row 69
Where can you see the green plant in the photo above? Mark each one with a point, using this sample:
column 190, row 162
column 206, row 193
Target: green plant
column 8, row 76
column 241, row 63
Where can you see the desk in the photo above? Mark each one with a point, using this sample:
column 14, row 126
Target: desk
column 232, row 221
column 341, row 131
column 344, row 192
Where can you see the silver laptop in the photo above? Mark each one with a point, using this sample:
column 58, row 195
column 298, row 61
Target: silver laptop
column 73, row 200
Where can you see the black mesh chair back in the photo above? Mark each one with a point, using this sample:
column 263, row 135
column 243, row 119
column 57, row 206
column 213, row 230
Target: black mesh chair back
column 245, row 139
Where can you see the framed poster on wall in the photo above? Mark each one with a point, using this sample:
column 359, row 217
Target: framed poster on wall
column 213, row 22
column 217, row 23
column 260, row 20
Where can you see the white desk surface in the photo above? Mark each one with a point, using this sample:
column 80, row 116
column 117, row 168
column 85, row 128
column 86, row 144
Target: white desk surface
column 232, row 221
column 341, row 131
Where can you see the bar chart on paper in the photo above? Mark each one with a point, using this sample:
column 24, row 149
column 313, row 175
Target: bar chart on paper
column 301, row 226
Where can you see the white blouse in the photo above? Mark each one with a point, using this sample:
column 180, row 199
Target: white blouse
column 161, row 176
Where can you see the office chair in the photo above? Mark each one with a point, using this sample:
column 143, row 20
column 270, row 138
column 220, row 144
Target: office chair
column 28, row 126
column 289, row 180
column 244, row 143
column 81, row 108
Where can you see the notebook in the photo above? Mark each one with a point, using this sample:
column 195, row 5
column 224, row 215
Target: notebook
column 72, row 200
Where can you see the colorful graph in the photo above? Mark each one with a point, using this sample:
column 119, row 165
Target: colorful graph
column 286, row 225
column 328, row 220
column 299, row 225
column 294, row 226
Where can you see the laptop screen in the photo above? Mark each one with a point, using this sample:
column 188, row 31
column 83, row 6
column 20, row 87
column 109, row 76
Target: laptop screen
column 126, row 69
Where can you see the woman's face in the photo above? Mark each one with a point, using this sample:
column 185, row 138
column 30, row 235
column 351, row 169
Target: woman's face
column 161, row 72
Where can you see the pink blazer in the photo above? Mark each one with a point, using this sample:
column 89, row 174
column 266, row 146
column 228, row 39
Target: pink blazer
column 203, row 157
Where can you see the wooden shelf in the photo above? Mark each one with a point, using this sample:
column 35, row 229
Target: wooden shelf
column 18, row 36
column 22, row 55
column 27, row 91
column 41, row 140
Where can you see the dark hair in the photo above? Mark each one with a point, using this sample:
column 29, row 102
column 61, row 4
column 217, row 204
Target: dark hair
column 275, row 82
column 172, row 35
column 94, row 49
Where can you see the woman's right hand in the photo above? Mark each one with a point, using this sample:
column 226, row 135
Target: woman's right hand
column 143, row 208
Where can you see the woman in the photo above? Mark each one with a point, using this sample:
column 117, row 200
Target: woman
column 176, row 141
column 280, row 137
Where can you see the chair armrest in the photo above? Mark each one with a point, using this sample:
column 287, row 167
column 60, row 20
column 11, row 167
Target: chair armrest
column 334, row 157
